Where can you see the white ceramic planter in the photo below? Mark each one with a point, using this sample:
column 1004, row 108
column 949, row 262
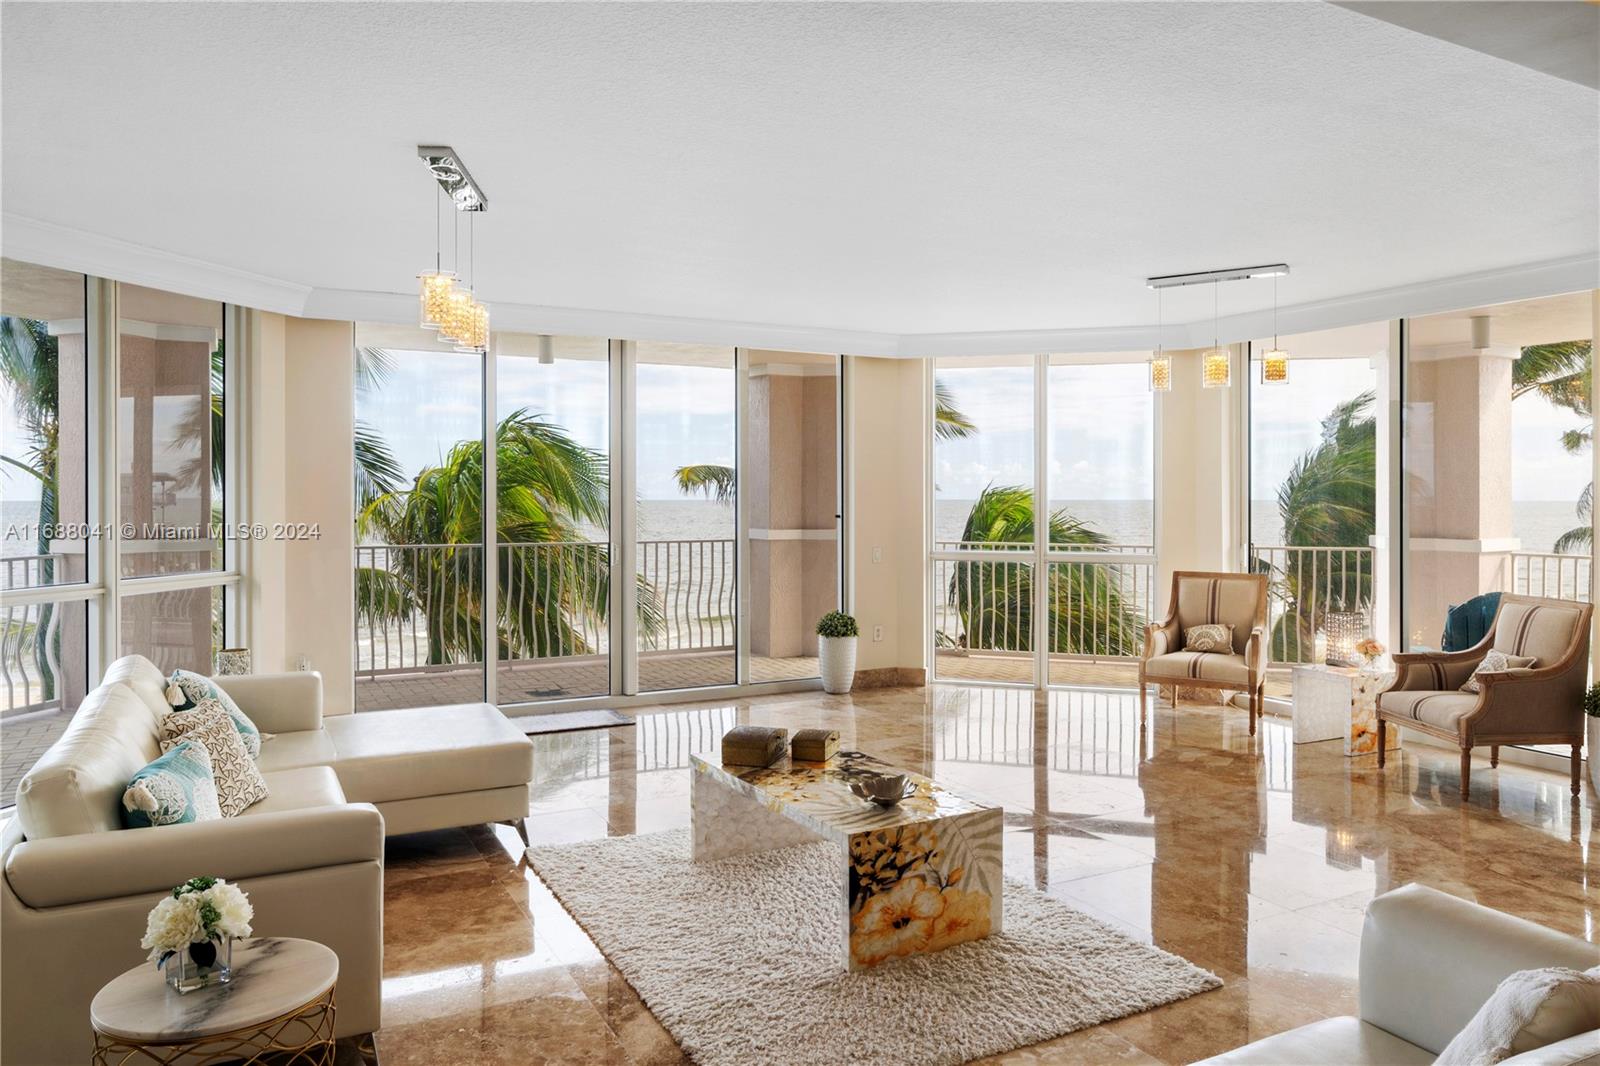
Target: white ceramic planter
column 838, row 661
column 1592, row 751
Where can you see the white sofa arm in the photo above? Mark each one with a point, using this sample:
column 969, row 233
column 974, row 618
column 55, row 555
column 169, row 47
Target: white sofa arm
column 58, row 871
column 1429, row 960
column 277, row 703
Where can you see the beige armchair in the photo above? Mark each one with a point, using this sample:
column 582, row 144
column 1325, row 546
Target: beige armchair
column 1203, row 598
column 1538, row 704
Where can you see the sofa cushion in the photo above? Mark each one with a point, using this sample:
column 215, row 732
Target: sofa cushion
column 239, row 780
column 1347, row 1041
column 427, row 751
column 177, row 788
column 304, row 747
column 1496, row 662
column 1580, row 1050
column 1203, row 666
column 146, row 681
column 77, row 785
column 1215, row 637
column 1443, row 710
column 1530, row 1008
column 198, row 692
column 293, row 790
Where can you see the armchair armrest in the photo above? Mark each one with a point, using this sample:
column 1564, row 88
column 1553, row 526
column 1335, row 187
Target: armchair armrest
column 1161, row 637
column 1430, row 960
column 277, row 703
column 1535, row 699
column 1435, row 671
column 91, row 866
column 1256, row 652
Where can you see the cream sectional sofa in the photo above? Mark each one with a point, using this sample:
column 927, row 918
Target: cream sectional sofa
column 1428, row 962
column 77, row 887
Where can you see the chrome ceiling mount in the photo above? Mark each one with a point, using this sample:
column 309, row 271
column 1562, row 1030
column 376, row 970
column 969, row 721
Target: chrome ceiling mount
column 453, row 177
column 1207, row 277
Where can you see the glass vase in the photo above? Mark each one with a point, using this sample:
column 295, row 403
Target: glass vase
column 206, row 963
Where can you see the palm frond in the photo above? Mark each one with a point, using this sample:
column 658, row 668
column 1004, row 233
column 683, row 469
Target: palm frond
column 714, row 481
column 948, row 421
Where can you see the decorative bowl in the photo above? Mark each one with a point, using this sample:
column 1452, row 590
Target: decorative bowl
column 885, row 790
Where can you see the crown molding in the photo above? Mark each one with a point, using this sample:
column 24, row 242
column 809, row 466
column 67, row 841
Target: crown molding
column 65, row 248
column 49, row 244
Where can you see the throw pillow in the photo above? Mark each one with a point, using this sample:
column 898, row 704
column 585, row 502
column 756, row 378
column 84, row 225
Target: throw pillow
column 238, row 778
column 177, row 787
column 188, row 691
column 1215, row 637
column 1496, row 662
column 1530, row 1009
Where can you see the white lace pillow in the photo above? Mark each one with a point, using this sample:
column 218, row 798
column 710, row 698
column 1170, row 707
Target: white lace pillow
column 238, row 778
column 1530, row 1009
column 1215, row 637
column 1497, row 662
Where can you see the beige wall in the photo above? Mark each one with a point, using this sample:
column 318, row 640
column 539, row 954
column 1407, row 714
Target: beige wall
column 1198, row 464
column 262, row 562
column 888, row 446
column 319, row 479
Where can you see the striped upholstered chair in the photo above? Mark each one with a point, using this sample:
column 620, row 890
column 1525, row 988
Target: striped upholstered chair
column 1517, row 703
column 1202, row 598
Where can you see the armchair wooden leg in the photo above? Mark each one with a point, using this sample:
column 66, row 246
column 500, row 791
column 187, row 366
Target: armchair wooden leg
column 1466, row 773
column 1144, row 698
column 1577, row 768
column 1494, row 756
column 1383, row 743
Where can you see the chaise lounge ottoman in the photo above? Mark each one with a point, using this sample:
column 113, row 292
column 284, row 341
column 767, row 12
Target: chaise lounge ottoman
column 434, row 767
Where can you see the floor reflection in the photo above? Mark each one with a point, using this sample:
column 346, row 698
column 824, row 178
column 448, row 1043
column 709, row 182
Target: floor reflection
column 1247, row 855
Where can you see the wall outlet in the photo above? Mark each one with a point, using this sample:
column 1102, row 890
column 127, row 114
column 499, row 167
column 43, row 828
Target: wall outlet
column 302, row 663
column 877, row 633
column 877, row 554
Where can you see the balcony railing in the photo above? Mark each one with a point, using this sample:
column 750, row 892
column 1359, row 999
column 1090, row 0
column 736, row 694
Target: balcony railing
column 1306, row 588
column 416, row 603
column 1099, row 600
column 30, row 684
column 1561, row 577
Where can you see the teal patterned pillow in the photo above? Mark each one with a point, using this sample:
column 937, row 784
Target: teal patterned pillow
column 187, row 691
column 176, row 788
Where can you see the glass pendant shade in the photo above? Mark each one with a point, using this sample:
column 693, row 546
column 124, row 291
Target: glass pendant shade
column 1216, row 368
column 435, row 290
column 1275, row 367
column 1161, row 372
column 476, row 338
column 456, row 323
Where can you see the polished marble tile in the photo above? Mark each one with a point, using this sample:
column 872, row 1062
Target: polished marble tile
column 1247, row 855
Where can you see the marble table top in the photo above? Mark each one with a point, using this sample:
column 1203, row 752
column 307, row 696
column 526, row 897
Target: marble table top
column 819, row 792
column 271, row 976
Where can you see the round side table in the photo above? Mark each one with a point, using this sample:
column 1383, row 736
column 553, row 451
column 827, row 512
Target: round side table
column 279, row 1005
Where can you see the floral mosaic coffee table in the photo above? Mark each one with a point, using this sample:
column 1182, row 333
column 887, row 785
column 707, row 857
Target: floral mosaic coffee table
column 922, row 876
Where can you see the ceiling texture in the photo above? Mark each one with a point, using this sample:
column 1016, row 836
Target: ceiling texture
column 878, row 178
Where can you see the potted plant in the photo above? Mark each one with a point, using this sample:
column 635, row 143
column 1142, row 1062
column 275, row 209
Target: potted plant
column 1591, row 710
column 836, row 648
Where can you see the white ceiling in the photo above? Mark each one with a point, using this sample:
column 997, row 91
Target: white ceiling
column 812, row 171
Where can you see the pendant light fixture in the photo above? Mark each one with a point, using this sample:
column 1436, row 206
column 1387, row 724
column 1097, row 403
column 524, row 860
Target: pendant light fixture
column 454, row 311
column 1216, row 362
column 1161, row 362
column 1275, row 363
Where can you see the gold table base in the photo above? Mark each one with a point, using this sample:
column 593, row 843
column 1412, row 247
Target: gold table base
column 302, row 1037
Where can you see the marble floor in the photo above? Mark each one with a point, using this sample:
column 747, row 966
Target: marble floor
column 1249, row 856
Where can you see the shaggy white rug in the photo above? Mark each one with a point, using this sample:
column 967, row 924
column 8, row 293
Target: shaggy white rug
column 742, row 960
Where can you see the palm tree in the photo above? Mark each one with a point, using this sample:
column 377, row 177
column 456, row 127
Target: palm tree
column 1562, row 373
column 1087, row 613
column 717, row 482
column 1329, row 500
column 30, row 362
column 553, row 584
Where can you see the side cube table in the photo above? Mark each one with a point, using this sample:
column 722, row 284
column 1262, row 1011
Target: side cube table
column 1340, row 701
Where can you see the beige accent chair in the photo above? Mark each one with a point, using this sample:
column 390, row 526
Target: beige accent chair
column 77, row 886
column 1428, row 962
column 1541, row 704
column 1202, row 598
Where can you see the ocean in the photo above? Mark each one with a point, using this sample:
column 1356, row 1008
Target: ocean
column 1537, row 523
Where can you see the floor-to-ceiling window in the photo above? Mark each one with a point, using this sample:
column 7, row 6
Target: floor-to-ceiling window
column 1498, row 438
column 685, row 437
column 553, row 565
column 1314, row 427
column 1079, row 431
column 419, row 469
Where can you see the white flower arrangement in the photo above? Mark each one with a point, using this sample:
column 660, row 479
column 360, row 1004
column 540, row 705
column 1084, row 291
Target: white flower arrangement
column 199, row 911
